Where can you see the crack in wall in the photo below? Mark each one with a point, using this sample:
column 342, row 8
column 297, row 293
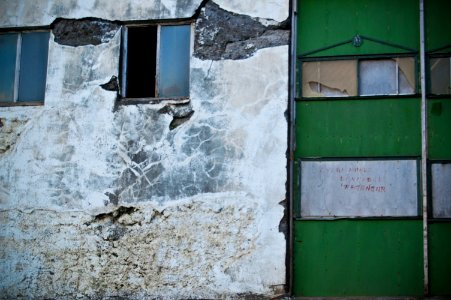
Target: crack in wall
column 221, row 34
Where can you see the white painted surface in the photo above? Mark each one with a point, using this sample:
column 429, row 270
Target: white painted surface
column 205, row 195
column 272, row 9
column 44, row 12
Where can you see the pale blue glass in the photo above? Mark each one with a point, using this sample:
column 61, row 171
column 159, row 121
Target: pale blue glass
column 33, row 66
column 8, row 51
column 174, row 56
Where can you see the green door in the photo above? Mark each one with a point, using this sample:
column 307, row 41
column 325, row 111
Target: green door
column 358, row 224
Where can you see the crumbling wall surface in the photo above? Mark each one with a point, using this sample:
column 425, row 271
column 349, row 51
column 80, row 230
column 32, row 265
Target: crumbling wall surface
column 44, row 12
column 170, row 200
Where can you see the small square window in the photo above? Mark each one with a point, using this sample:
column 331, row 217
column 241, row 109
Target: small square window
column 23, row 66
column 155, row 61
column 440, row 75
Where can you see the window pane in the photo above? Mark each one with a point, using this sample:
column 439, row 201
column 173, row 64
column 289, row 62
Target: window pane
column 377, row 77
column 329, row 78
column 174, row 55
column 8, row 49
column 441, row 190
column 33, row 66
column 406, row 73
column 440, row 75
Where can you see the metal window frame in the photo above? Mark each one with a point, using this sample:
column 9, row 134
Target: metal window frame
column 123, row 63
column 359, row 58
column 15, row 101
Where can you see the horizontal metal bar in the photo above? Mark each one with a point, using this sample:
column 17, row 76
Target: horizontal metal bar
column 130, row 101
column 382, row 97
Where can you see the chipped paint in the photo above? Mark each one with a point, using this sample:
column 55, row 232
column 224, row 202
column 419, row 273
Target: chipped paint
column 165, row 200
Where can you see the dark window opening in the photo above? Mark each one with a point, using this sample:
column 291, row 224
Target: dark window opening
column 155, row 61
column 141, row 61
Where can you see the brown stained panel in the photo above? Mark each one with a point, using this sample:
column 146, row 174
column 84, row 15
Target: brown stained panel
column 329, row 78
column 406, row 67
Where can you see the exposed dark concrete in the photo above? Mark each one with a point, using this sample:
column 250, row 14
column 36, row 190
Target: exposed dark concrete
column 116, row 214
column 221, row 34
column 81, row 32
column 112, row 85
column 180, row 112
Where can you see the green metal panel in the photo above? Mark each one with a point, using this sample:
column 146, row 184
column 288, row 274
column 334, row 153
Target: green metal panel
column 438, row 23
column 358, row 128
column 439, row 131
column 358, row 257
column 440, row 258
column 326, row 22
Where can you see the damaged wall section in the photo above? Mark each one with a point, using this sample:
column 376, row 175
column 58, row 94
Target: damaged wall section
column 221, row 34
column 102, row 200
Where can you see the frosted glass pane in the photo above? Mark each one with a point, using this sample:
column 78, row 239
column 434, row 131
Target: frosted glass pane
column 33, row 66
column 377, row 77
column 440, row 73
column 174, row 55
column 441, row 190
column 8, row 49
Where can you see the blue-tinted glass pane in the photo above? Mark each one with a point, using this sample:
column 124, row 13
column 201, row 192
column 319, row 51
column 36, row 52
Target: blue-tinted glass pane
column 174, row 61
column 33, row 66
column 8, row 49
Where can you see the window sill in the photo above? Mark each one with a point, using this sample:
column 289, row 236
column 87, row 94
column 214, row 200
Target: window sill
column 14, row 104
column 134, row 101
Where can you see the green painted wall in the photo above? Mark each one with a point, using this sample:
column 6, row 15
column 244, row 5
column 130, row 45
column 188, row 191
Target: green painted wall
column 440, row 258
column 326, row 22
column 358, row 128
column 439, row 131
column 438, row 23
column 358, row 257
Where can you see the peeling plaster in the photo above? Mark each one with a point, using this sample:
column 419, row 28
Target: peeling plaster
column 99, row 200
column 273, row 9
column 44, row 12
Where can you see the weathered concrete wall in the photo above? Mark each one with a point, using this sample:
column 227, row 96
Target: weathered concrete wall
column 170, row 200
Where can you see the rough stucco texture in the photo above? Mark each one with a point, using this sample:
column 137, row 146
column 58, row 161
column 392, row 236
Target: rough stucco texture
column 100, row 200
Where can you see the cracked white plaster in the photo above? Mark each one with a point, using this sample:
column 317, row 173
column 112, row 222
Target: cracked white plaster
column 276, row 10
column 98, row 200
column 44, row 12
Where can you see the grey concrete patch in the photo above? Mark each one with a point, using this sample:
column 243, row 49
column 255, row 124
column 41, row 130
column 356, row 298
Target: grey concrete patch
column 225, row 35
column 81, row 32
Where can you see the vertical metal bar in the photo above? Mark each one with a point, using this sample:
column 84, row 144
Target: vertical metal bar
column 157, row 71
column 291, row 147
column 424, row 152
column 17, row 73
column 397, row 75
column 124, row 53
column 449, row 86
